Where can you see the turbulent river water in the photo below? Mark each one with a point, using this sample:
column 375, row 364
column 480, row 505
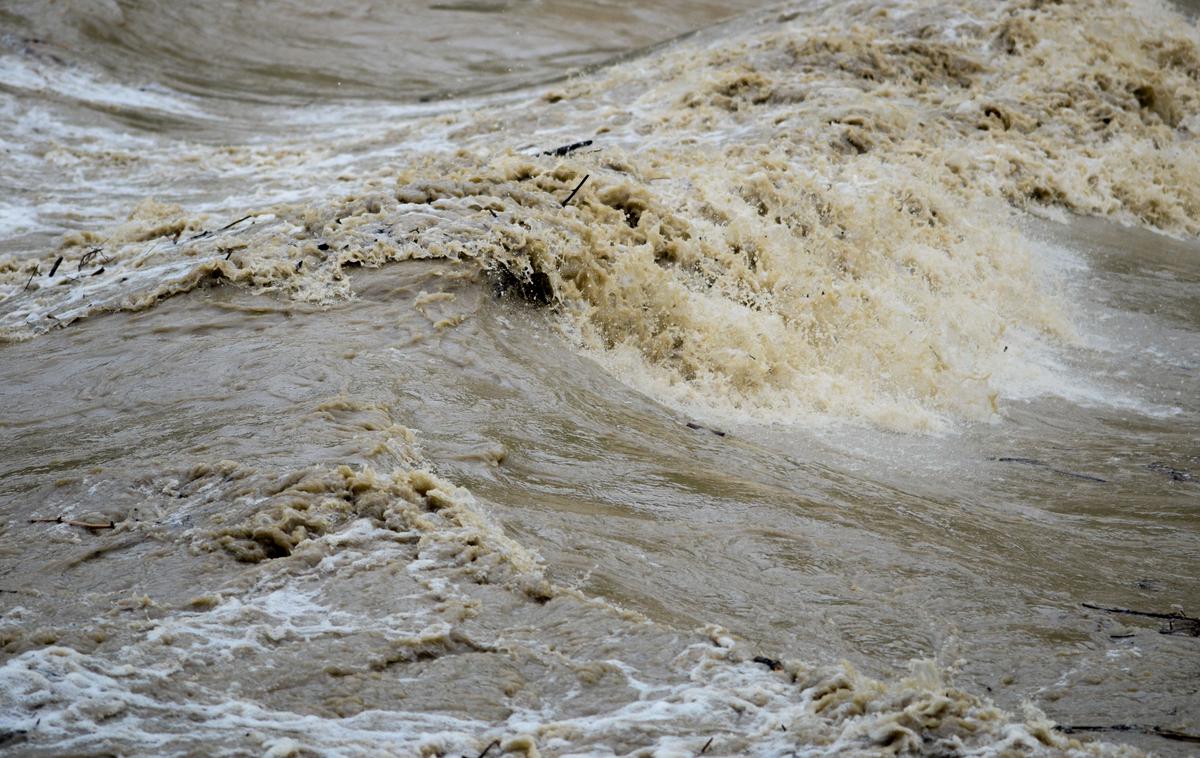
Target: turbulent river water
column 558, row 378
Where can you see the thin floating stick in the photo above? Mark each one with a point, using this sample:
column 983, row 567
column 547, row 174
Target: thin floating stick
column 54, row 268
column 88, row 256
column 1148, row 614
column 708, row 744
column 35, row 273
column 577, row 188
column 488, row 749
column 230, row 225
column 1169, row 734
column 567, row 149
column 72, row 522
column 1048, row 467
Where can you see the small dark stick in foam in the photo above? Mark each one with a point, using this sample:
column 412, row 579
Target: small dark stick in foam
column 694, row 425
column 577, row 188
column 770, row 663
column 567, row 149
column 230, row 225
column 87, row 257
column 488, row 749
column 72, row 522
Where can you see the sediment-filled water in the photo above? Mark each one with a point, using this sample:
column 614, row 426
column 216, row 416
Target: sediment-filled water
column 549, row 378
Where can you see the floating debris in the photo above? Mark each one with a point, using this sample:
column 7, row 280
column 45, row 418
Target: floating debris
column 559, row 152
column 577, row 188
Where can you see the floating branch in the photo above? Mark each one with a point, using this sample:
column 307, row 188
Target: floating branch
column 1158, row 731
column 230, row 225
column 89, row 255
column 72, row 522
column 577, row 188
column 567, row 149
column 54, row 268
column 1043, row 464
column 704, row 749
column 488, row 749
column 1188, row 626
column 35, row 273
column 770, row 663
column 1148, row 614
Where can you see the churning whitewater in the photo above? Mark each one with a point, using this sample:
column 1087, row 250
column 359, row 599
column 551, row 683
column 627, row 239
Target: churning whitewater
column 761, row 393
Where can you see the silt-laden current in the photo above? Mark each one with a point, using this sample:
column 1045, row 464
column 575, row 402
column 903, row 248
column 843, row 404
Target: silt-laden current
column 549, row 378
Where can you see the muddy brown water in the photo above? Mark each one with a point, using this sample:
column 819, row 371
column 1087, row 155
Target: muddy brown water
column 430, row 514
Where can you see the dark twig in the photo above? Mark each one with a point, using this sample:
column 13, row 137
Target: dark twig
column 698, row 427
column 1148, row 614
column 577, row 188
column 54, row 268
column 1169, row 734
column 770, row 663
column 1177, row 623
column 230, row 225
column 1173, row 734
column 88, row 256
column 1043, row 464
column 98, row 271
column 708, row 744
column 72, row 522
column 35, row 273
column 488, row 749
column 567, row 149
